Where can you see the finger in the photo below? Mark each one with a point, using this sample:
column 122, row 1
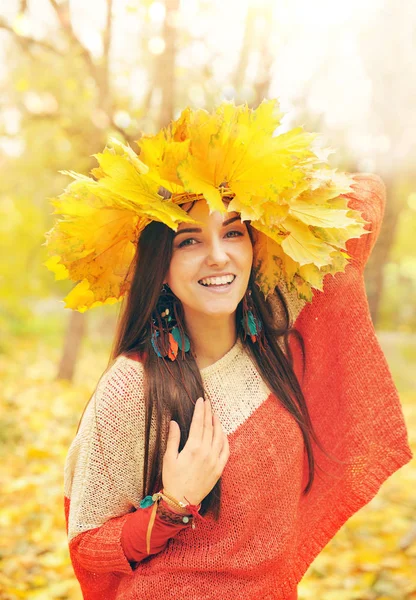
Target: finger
column 207, row 434
column 174, row 438
column 197, row 423
column 217, row 435
column 225, row 453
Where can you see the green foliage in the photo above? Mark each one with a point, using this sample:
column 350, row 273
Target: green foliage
column 56, row 101
column 397, row 311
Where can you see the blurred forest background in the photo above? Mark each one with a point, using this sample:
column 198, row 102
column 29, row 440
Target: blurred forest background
column 73, row 73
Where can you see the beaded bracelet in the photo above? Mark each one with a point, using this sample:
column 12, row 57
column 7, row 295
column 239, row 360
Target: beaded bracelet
column 154, row 499
column 174, row 518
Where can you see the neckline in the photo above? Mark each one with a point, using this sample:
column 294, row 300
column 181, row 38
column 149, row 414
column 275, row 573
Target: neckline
column 215, row 366
column 224, row 360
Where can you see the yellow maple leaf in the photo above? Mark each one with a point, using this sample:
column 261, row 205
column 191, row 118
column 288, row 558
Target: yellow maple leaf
column 97, row 246
column 54, row 265
column 281, row 183
column 267, row 263
column 234, row 145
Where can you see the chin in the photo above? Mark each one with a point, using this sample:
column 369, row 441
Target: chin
column 222, row 310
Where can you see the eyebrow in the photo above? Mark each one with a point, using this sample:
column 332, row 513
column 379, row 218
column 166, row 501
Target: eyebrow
column 198, row 230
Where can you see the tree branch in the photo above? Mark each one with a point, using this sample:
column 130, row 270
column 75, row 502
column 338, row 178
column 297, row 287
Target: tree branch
column 64, row 18
column 100, row 75
column 26, row 41
column 103, row 73
column 240, row 71
column 62, row 12
column 107, row 32
column 165, row 79
column 45, row 116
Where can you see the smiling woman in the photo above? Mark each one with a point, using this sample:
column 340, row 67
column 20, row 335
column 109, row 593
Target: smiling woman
column 226, row 299
column 221, row 247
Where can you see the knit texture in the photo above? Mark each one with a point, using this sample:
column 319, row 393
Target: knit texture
column 268, row 532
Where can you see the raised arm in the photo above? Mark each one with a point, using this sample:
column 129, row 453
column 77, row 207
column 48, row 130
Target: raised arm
column 369, row 198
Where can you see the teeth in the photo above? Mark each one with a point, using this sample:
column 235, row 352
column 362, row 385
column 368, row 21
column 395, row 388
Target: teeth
column 218, row 280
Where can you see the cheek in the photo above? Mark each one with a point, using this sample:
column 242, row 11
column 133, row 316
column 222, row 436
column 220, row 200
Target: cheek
column 181, row 266
column 246, row 254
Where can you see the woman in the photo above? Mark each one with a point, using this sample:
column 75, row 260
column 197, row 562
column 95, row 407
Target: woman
column 219, row 453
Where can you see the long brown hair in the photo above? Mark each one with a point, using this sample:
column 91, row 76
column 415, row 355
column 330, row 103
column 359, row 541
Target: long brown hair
column 172, row 387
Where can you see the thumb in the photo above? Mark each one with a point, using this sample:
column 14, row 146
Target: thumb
column 174, row 438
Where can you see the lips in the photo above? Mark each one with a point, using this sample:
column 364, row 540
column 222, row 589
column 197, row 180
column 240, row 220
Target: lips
column 217, row 277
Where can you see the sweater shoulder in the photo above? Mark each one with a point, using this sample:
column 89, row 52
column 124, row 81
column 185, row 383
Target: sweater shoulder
column 124, row 369
column 117, row 403
column 370, row 191
column 123, row 380
column 107, row 452
column 372, row 181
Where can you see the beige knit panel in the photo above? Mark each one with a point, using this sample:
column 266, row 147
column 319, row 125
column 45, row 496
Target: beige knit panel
column 104, row 466
column 234, row 387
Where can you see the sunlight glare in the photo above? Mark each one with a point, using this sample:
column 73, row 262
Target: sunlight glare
column 157, row 12
column 156, row 45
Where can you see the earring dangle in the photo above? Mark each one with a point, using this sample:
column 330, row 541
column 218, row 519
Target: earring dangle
column 250, row 321
column 167, row 333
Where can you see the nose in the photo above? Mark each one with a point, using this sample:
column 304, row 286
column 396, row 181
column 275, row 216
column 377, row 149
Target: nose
column 217, row 254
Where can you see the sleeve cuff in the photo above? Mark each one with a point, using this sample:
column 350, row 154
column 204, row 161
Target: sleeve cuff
column 100, row 550
column 134, row 532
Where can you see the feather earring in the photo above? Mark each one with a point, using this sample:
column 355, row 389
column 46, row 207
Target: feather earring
column 167, row 332
column 250, row 321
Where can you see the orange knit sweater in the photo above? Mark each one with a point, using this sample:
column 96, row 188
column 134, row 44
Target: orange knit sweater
column 268, row 532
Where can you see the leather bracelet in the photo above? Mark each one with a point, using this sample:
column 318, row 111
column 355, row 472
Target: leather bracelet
column 174, row 518
column 176, row 506
column 172, row 500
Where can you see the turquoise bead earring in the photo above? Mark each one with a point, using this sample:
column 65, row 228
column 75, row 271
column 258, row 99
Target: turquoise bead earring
column 167, row 333
column 250, row 321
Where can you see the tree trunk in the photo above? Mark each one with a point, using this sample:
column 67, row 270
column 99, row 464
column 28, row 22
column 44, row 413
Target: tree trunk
column 249, row 33
column 77, row 325
column 381, row 251
column 166, row 67
column 264, row 73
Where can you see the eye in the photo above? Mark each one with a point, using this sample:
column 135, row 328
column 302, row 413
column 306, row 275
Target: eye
column 237, row 232
column 193, row 241
column 184, row 242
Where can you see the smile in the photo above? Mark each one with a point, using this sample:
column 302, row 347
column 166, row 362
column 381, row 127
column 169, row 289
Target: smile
column 217, row 281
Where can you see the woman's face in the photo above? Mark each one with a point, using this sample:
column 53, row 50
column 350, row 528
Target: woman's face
column 215, row 249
